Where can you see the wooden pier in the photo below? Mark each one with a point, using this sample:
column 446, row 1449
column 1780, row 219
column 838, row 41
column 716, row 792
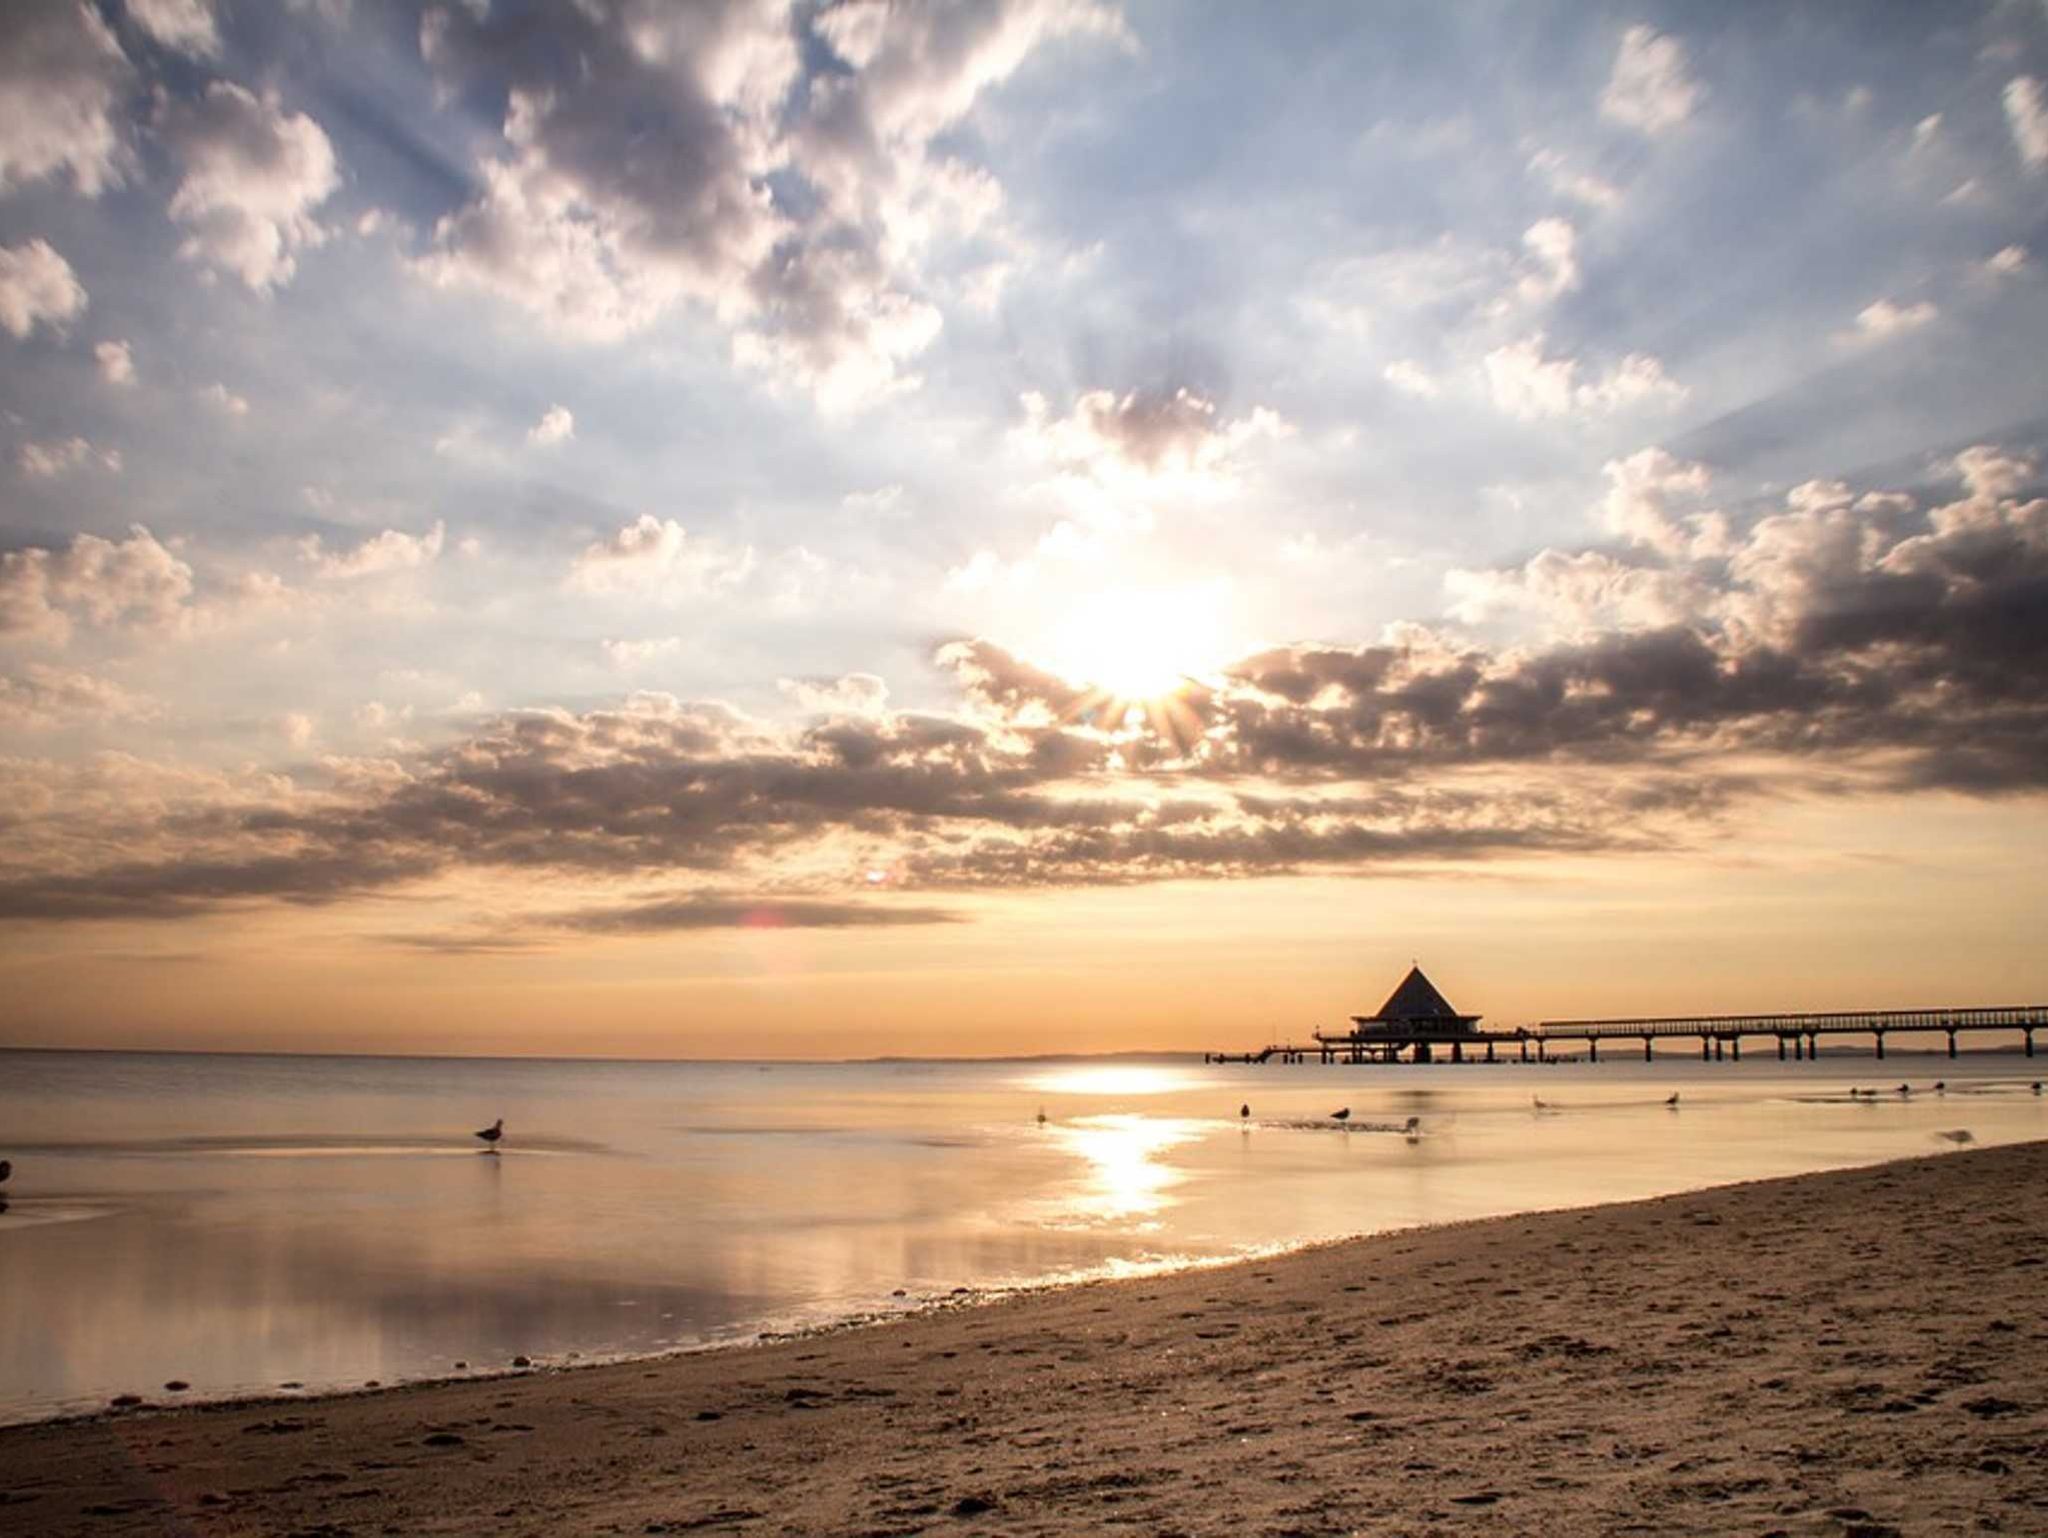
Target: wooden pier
column 1419, row 1023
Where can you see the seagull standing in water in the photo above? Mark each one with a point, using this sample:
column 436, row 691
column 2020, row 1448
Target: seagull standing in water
column 1343, row 1115
column 1244, row 1112
column 492, row 1133
column 7, row 1166
column 1673, row 1101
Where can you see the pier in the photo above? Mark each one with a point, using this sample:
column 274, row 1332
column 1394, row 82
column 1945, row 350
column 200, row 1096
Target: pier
column 1417, row 1024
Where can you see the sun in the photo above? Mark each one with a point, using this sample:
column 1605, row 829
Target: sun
column 1138, row 644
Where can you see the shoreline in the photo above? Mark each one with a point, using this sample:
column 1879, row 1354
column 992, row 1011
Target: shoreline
column 1786, row 1351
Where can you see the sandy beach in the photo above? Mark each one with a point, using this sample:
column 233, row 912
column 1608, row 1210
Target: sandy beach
column 1853, row 1353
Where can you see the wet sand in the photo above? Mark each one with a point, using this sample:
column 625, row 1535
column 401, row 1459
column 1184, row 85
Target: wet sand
column 1857, row 1353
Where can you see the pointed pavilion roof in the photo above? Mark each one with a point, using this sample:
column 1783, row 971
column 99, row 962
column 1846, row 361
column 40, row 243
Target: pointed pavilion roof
column 1417, row 999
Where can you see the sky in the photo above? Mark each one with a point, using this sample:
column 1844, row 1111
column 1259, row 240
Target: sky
column 826, row 529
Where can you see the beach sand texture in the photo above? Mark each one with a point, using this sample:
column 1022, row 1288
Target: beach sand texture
column 1863, row 1352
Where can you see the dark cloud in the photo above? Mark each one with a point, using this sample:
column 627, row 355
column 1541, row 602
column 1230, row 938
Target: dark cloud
column 1844, row 639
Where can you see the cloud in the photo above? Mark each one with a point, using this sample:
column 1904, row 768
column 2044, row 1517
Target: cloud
column 1553, row 245
column 1525, row 382
column 37, row 286
column 1640, row 491
column 789, row 184
column 556, row 425
column 657, row 557
column 116, row 361
column 62, row 77
column 225, row 400
column 858, row 694
column 1582, row 185
column 45, row 461
column 392, row 550
column 1142, row 435
column 2026, row 113
column 1650, row 89
column 706, row 911
column 2006, row 262
column 1410, row 378
column 1881, row 319
column 42, row 698
column 627, row 655
column 185, row 26
column 252, row 176
column 130, row 582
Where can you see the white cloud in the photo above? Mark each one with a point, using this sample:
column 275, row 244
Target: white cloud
column 135, row 581
column 253, row 174
column 222, row 398
column 827, row 291
column 37, row 286
column 1143, row 437
column 62, row 76
column 186, row 26
column 655, row 556
column 116, row 361
column 1881, row 319
column 43, row 697
column 628, row 655
column 556, row 425
column 1553, row 244
column 1640, row 491
column 882, row 502
column 2026, row 111
column 1583, row 591
column 297, row 728
column 1924, row 132
column 45, row 461
column 1410, row 378
column 855, row 694
column 1650, row 88
column 392, row 550
column 2006, row 261
column 1524, row 382
column 1582, row 185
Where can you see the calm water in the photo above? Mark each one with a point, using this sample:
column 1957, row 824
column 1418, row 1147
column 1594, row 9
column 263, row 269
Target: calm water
column 245, row 1222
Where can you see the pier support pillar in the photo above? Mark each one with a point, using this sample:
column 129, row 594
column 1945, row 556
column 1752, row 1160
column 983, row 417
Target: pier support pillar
column 1457, row 1052
column 2030, row 1044
column 1593, row 1049
column 1706, row 1050
column 1489, row 1051
column 1951, row 1043
column 1880, row 1046
column 1781, row 1049
column 1525, row 1049
column 1813, row 1048
column 1735, row 1047
column 1717, row 1049
column 1540, row 1045
column 1798, row 1049
column 1646, row 1049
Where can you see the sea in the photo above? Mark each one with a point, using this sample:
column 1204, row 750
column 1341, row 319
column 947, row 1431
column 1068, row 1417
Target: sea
column 261, row 1225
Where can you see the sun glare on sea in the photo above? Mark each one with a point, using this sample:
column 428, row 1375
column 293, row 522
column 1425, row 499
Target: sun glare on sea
column 1110, row 1079
column 1139, row 644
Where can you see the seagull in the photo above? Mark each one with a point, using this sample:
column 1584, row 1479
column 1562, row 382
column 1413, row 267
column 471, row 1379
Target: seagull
column 1244, row 1112
column 1941, row 1086
column 1537, row 1102
column 1905, row 1089
column 1673, row 1101
column 1414, row 1126
column 493, row 1132
column 1041, row 1116
column 7, row 1165
column 1343, row 1115
column 2037, row 1090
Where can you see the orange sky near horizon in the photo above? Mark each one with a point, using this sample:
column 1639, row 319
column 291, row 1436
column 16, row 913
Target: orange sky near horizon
column 1818, row 906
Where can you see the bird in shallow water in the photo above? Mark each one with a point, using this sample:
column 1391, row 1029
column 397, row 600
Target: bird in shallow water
column 493, row 1132
column 1941, row 1086
column 1673, row 1101
column 1905, row 1089
column 2037, row 1086
column 1343, row 1115
column 1041, row 1116
column 1244, row 1112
